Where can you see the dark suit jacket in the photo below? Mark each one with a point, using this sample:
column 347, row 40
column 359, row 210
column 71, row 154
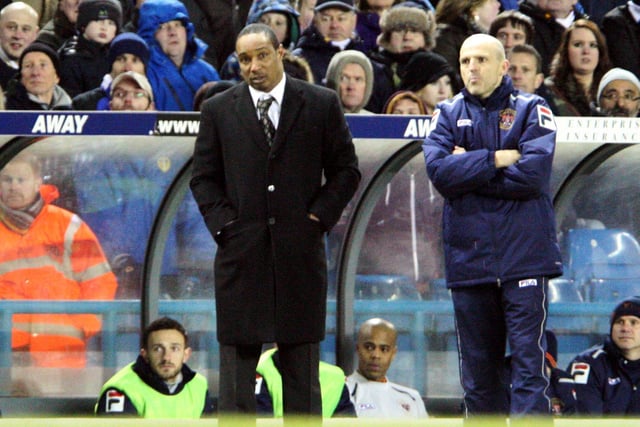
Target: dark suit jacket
column 270, row 266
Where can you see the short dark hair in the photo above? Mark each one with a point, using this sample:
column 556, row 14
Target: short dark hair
column 161, row 324
column 530, row 50
column 517, row 20
column 260, row 29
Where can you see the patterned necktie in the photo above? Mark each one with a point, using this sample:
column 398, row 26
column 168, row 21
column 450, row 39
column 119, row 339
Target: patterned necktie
column 265, row 121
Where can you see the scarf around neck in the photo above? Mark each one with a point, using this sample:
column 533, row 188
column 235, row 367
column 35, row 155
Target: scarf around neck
column 19, row 220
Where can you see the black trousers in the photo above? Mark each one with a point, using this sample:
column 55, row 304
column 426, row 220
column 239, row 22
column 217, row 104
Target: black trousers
column 299, row 365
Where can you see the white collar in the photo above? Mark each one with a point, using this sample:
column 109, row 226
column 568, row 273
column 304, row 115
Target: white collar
column 566, row 22
column 634, row 10
column 277, row 92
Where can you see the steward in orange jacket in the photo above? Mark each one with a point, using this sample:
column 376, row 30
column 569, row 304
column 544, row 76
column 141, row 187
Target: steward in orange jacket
column 48, row 253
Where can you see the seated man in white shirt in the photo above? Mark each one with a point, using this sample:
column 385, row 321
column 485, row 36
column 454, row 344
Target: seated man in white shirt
column 373, row 396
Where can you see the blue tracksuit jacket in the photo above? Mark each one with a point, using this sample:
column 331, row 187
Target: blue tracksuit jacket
column 498, row 224
column 603, row 383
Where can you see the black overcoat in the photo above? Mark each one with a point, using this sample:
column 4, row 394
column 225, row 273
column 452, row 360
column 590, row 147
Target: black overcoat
column 270, row 265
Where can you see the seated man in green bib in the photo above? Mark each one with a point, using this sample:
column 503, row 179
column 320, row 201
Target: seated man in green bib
column 158, row 384
column 333, row 388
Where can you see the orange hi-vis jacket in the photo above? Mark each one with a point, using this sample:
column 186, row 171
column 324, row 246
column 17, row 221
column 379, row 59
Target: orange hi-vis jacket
column 58, row 258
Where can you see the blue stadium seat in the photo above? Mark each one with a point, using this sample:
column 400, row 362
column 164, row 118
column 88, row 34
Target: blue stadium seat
column 604, row 263
column 385, row 287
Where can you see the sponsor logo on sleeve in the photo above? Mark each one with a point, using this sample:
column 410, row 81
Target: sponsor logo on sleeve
column 434, row 119
column 115, row 401
column 545, row 118
column 580, row 372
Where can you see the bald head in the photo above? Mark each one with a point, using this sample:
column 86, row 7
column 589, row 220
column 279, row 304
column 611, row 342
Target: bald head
column 18, row 28
column 367, row 328
column 376, row 348
column 482, row 64
column 485, row 41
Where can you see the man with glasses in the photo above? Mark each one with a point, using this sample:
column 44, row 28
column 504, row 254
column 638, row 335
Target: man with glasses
column 619, row 94
column 176, row 69
column 131, row 91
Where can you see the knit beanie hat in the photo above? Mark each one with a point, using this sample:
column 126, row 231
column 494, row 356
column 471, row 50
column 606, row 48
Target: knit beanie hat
column 337, row 64
column 424, row 68
column 627, row 307
column 616, row 74
column 41, row 47
column 129, row 43
column 400, row 18
column 96, row 10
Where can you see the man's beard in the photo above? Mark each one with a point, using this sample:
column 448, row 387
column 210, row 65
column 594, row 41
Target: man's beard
column 618, row 111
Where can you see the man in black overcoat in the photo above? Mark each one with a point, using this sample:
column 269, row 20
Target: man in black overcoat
column 268, row 205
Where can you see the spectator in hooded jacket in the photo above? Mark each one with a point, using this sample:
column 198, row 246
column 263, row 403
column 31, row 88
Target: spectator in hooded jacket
column 48, row 253
column 283, row 20
column 368, row 26
column 606, row 376
column 176, row 68
column 35, row 86
column 84, row 58
column 128, row 52
column 351, row 75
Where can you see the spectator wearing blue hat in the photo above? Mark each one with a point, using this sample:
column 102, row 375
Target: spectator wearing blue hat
column 176, row 66
column 128, row 52
column 606, row 376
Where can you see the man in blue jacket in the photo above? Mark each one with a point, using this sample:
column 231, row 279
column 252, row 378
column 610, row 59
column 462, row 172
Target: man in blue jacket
column 606, row 376
column 489, row 154
column 176, row 69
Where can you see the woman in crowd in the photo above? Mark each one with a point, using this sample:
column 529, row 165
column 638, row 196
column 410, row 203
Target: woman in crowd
column 578, row 65
column 405, row 31
column 430, row 76
column 405, row 102
column 459, row 19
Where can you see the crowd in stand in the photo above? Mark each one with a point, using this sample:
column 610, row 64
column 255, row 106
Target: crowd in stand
column 378, row 55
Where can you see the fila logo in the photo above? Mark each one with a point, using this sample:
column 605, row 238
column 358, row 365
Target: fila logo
column 114, row 401
column 528, row 282
column 545, row 118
